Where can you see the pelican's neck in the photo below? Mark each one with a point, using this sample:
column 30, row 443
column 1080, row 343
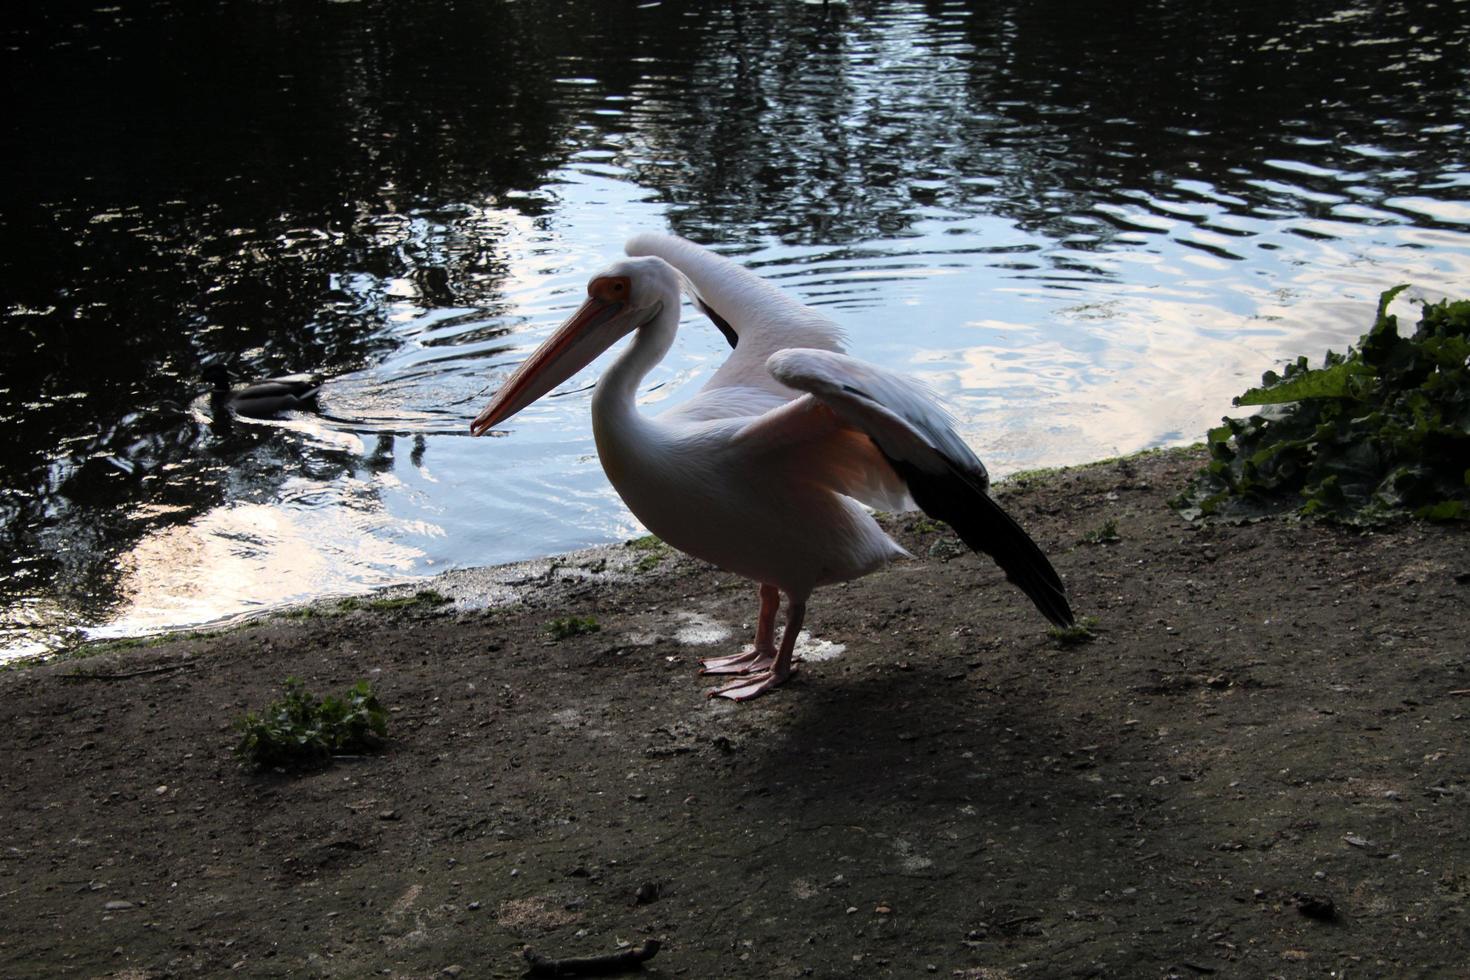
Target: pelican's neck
column 614, row 398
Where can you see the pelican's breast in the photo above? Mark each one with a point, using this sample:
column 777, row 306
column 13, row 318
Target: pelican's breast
column 770, row 522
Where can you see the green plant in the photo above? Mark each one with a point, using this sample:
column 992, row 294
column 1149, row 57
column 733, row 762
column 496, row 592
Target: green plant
column 425, row 600
column 302, row 730
column 1078, row 633
column 561, row 629
column 1107, row 533
column 652, row 552
column 1379, row 432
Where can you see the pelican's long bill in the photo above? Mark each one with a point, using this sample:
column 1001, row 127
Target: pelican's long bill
column 575, row 344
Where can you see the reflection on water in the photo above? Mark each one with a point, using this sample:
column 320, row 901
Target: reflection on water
column 1086, row 227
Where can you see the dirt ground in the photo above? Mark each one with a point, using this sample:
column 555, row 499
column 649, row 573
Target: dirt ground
column 1257, row 768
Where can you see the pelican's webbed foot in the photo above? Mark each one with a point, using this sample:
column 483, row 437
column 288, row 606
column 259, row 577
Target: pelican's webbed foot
column 752, row 661
column 753, row 685
column 763, row 667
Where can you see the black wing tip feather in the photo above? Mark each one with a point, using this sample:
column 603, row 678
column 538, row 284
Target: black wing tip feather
column 1024, row 563
column 983, row 525
column 731, row 337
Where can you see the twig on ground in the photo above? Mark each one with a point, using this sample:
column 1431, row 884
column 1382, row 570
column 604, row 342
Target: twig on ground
column 589, row 966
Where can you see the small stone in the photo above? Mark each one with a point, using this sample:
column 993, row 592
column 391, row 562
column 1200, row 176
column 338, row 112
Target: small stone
column 473, row 906
column 117, row 905
column 648, row 892
column 851, row 909
column 453, row 970
column 883, row 910
column 388, row 815
column 159, row 791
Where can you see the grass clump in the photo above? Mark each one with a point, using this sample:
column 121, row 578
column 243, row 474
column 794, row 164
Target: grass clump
column 424, row 600
column 303, row 731
column 1380, row 432
column 1080, row 632
column 1046, row 473
column 569, row 626
column 651, row 550
column 1107, row 533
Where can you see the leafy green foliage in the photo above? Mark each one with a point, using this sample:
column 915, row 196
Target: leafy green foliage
column 561, row 629
column 1382, row 431
column 1106, row 533
column 301, row 730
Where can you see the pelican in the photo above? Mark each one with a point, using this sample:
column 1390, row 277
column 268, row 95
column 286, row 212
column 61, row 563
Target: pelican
column 767, row 470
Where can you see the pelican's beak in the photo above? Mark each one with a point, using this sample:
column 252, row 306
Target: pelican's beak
column 575, row 344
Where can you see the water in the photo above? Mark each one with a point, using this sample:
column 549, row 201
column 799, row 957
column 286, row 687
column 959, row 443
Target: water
column 1086, row 227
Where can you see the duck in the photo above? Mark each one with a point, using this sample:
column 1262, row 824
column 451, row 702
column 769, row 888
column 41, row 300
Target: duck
column 261, row 399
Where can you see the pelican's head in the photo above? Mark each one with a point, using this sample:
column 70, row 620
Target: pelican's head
column 620, row 299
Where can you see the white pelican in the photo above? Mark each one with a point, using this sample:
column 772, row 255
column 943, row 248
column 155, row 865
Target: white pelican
column 765, row 472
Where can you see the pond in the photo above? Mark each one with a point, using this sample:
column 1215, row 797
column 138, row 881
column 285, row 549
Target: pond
column 1085, row 226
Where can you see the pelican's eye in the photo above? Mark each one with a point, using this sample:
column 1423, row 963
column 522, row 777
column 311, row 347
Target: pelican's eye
column 610, row 289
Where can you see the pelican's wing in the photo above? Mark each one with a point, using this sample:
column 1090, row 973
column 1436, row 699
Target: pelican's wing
column 920, row 446
column 756, row 317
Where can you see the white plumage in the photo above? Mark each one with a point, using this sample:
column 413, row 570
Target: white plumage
column 766, row 470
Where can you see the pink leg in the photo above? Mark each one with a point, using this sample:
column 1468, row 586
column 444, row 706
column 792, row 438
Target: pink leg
column 764, row 654
column 757, row 684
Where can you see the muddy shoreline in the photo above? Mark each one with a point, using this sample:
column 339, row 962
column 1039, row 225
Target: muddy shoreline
column 1257, row 768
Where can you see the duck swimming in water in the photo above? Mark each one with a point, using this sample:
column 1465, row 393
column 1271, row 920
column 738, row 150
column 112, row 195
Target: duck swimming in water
column 262, row 399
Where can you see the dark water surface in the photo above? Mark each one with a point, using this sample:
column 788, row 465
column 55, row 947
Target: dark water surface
column 1086, row 225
